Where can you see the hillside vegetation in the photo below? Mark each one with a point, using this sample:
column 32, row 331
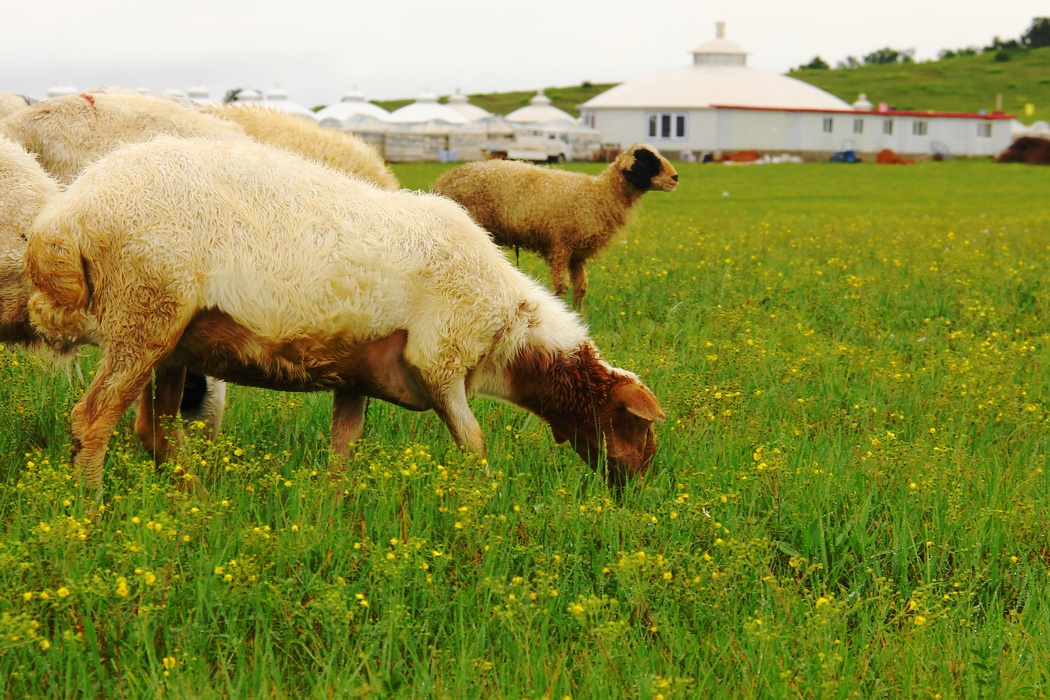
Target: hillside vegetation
column 959, row 84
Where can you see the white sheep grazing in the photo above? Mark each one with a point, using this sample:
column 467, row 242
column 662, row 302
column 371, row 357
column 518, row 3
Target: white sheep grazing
column 11, row 103
column 251, row 264
column 24, row 190
column 69, row 133
column 566, row 217
column 338, row 149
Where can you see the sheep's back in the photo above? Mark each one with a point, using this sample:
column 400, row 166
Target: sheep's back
column 509, row 197
column 69, row 133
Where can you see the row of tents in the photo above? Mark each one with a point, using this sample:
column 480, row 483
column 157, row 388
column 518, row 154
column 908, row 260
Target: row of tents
column 427, row 130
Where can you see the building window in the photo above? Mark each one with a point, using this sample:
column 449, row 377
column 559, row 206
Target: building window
column 668, row 125
column 887, row 127
column 984, row 130
column 920, row 128
column 858, row 126
column 829, row 124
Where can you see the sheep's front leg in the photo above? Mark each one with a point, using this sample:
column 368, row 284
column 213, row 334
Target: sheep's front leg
column 348, row 425
column 450, row 403
column 579, row 282
column 157, row 406
column 117, row 382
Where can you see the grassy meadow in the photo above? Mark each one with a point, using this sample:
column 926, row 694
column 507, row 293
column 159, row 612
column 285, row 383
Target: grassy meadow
column 850, row 496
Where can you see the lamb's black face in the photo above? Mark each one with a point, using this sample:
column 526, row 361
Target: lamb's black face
column 650, row 171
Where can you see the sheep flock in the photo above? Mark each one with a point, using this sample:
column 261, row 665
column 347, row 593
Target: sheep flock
column 240, row 244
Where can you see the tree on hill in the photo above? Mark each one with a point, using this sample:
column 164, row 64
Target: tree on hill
column 1038, row 35
column 887, row 55
column 816, row 64
column 849, row 62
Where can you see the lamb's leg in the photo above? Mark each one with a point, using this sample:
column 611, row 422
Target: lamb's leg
column 559, row 262
column 348, row 425
column 119, row 379
column 157, row 405
column 579, row 282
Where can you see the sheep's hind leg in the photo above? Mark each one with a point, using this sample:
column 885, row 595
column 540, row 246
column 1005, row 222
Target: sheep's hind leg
column 120, row 378
column 559, row 262
column 157, row 425
column 157, row 405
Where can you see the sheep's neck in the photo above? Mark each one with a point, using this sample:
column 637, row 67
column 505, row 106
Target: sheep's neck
column 568, row 391
column 621, row 192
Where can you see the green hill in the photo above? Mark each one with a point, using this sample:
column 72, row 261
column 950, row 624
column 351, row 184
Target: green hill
column 959, row 84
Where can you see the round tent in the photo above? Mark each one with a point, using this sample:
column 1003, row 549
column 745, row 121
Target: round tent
column 352, row 104
column 540, row 111
column 426, row 109
column 473, row 113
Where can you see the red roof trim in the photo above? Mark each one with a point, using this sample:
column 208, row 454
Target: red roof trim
column 873, row 112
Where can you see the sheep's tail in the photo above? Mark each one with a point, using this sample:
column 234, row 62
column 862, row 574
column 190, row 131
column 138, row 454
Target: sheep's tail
column 58, row 305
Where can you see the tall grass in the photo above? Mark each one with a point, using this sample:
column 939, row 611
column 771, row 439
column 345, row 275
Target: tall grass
column 850, row 496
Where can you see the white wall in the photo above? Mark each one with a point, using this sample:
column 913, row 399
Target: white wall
column 776, row 130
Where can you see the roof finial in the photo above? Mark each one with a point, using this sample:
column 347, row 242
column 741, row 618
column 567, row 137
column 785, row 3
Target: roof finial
column 720, row 30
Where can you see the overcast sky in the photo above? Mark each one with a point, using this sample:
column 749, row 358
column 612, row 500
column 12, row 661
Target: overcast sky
column 319, row 49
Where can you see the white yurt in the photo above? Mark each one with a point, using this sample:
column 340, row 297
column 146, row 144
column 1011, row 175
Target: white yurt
column 458, row 102
column 277, row 98
column 426, row 109
column 60, row 89
column 371, row 129
column 352, row 104
column 540, row 111
column 421, row 131
column 499, row 134
column 199, row 94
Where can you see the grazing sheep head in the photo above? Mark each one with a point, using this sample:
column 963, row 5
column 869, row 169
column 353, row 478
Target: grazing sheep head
column 621, row 427
column 646, row 169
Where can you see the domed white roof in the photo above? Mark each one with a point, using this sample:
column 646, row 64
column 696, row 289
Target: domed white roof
column 719, row 76
column 353, row 103
column 199, row 93
column 539, row 110
column 458, row 102
column 425, row 109
column 249, row 94
column 863, row 104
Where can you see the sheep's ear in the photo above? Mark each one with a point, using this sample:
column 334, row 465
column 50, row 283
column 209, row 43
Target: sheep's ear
column 639, row 402
column 645, row 167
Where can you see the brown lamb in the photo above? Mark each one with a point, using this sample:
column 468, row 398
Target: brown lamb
column 566, row 217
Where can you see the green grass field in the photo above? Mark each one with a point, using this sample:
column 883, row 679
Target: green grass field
column 850, row 497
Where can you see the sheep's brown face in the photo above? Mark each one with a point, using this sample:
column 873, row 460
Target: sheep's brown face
column 624, row 432
column 650, row 171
